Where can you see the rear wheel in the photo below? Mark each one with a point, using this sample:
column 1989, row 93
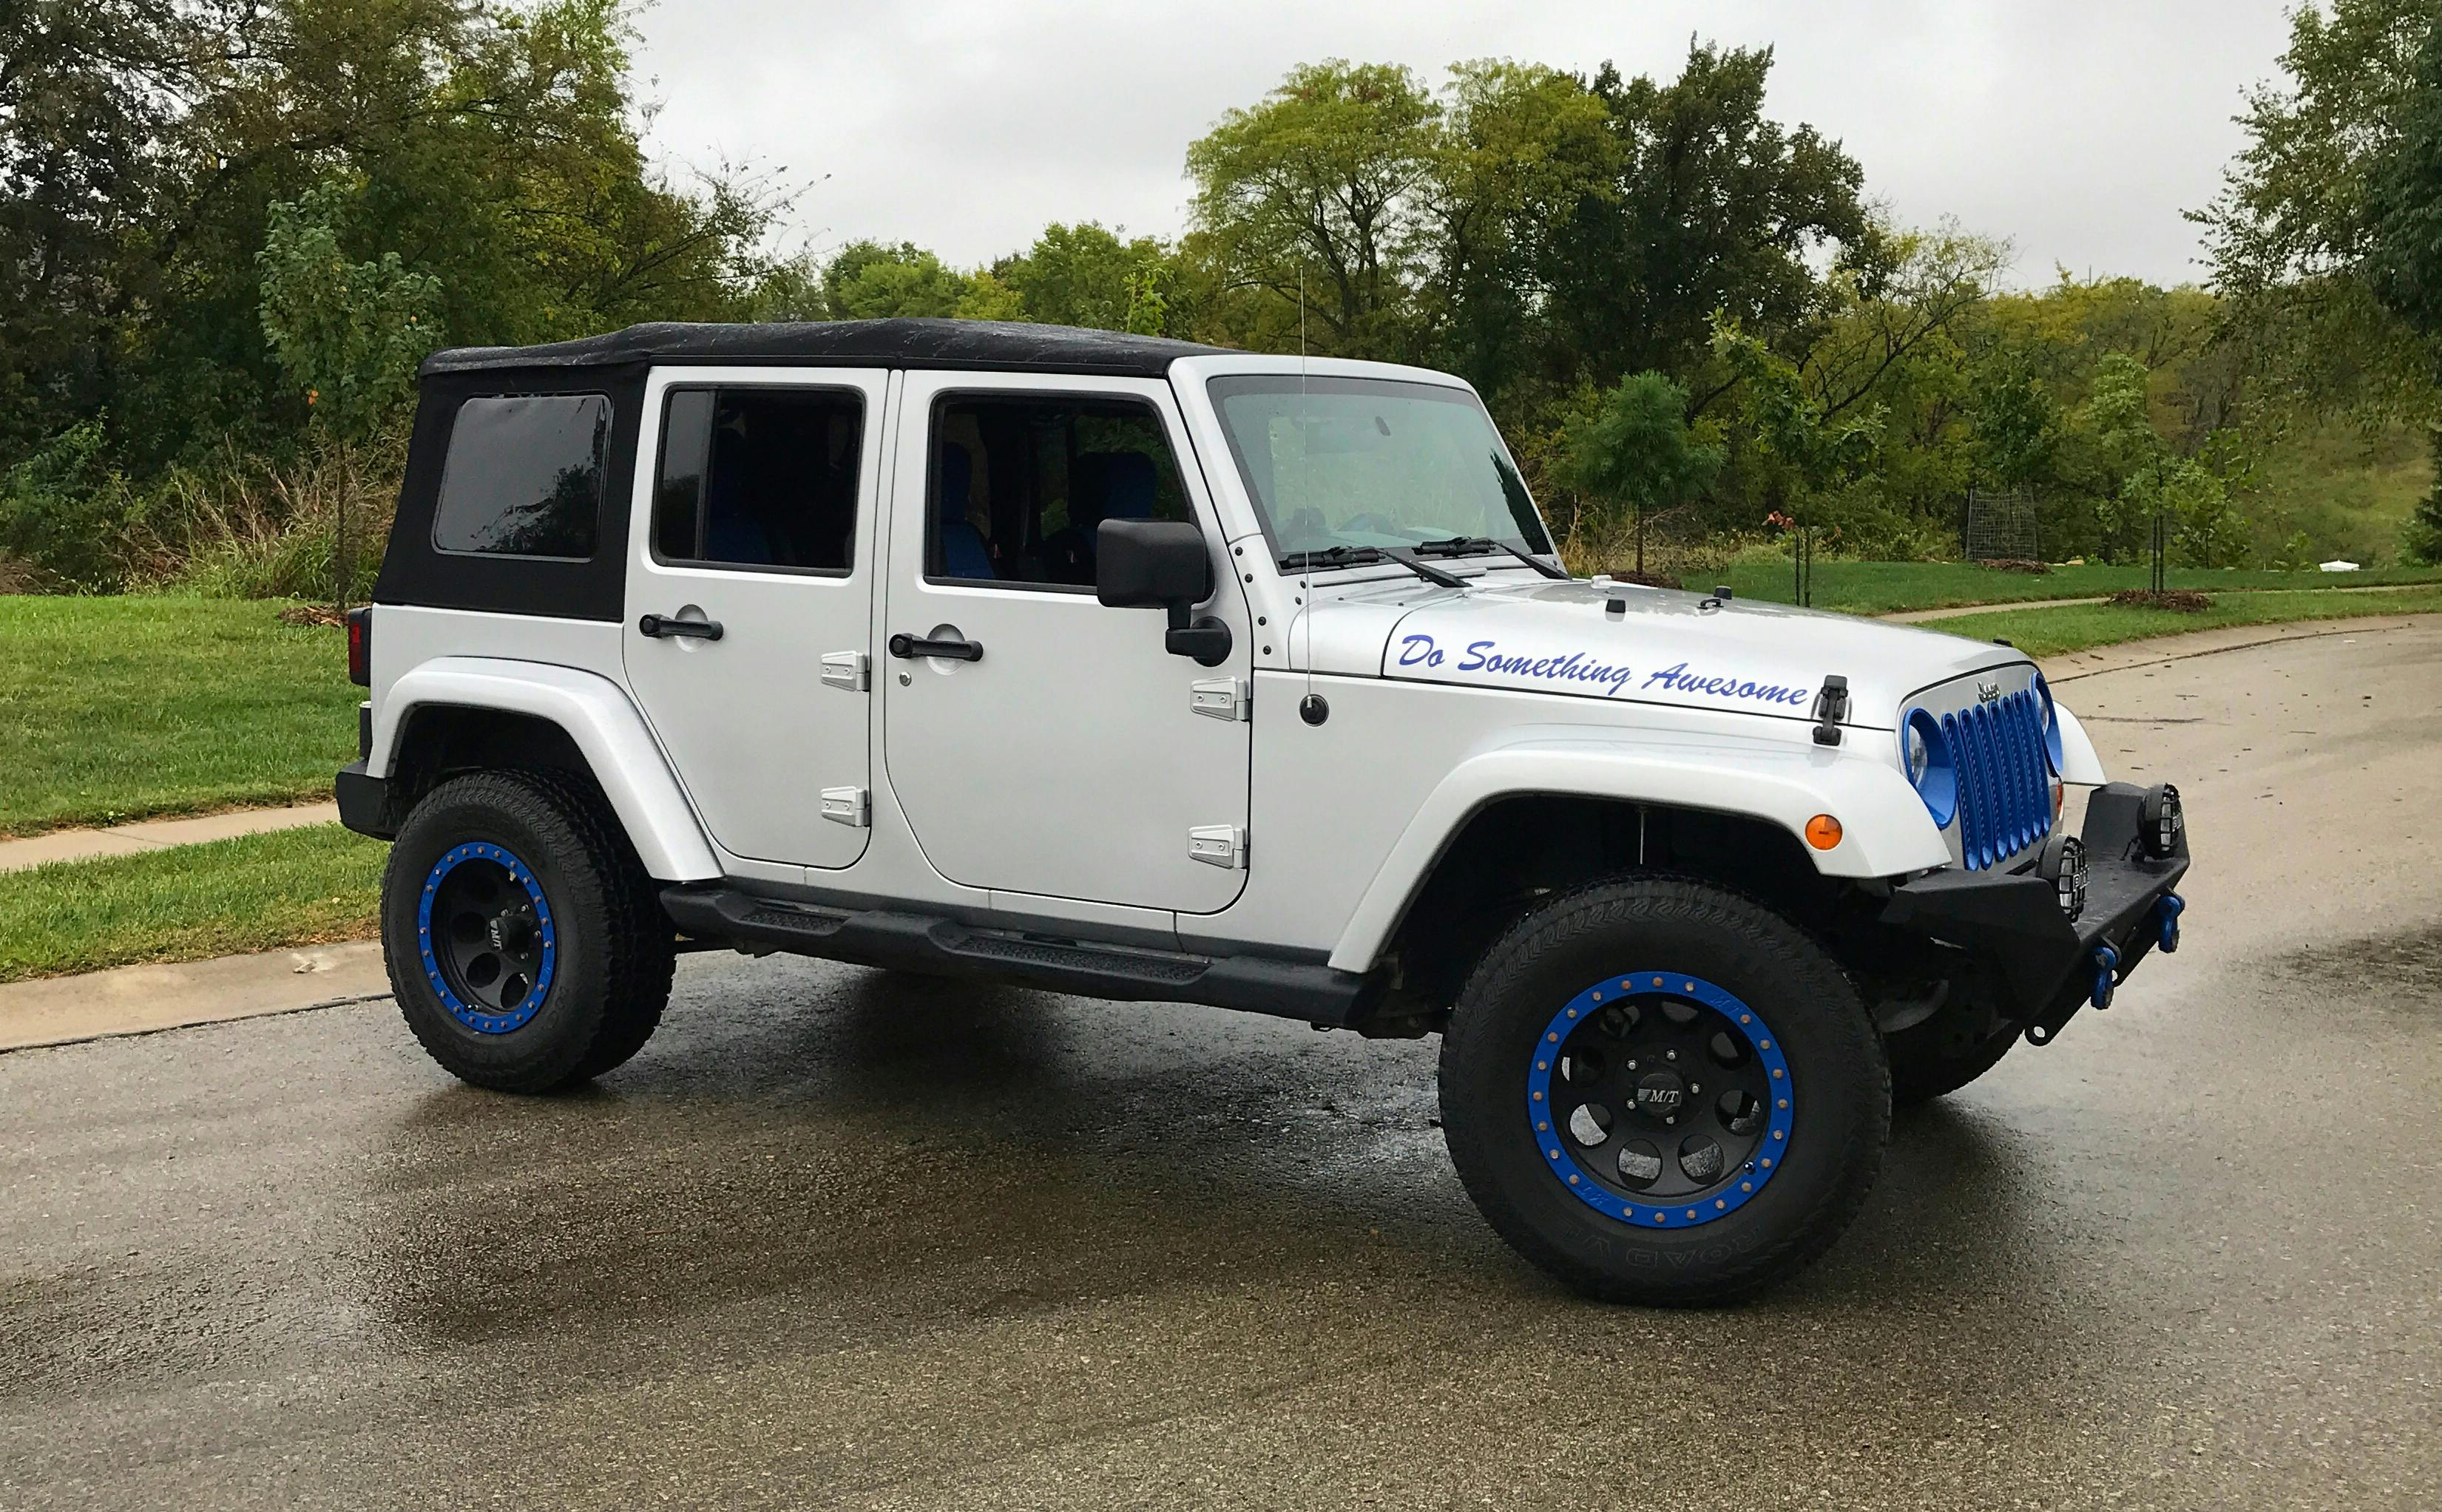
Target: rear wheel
column 526, row 946
column 1662, row 1092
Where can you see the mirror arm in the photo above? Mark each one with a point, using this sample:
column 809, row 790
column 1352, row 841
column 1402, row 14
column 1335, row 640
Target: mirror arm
column 1206, row 638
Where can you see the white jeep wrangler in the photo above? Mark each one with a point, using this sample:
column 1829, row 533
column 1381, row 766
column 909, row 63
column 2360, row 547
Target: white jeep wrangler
column 1147, row 670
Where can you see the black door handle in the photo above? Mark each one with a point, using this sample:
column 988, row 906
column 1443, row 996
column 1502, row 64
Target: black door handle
column 658, row 625
column 907, row 647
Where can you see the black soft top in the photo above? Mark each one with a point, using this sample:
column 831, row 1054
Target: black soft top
column 995, row 345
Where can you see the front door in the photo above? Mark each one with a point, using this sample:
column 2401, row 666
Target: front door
column 759, row 521
column 1039, row 743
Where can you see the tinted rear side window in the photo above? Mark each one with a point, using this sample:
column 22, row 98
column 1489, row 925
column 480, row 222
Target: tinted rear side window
column 524, row 476
column 759, row 477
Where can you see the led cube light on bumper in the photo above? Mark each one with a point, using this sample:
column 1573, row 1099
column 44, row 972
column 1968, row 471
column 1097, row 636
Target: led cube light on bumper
column 2106, row 896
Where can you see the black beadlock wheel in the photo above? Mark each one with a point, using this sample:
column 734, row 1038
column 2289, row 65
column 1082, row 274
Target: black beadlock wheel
column 1662, row 1092
column 525, row 945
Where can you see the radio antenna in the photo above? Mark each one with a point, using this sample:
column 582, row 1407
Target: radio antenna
column 1311, row 708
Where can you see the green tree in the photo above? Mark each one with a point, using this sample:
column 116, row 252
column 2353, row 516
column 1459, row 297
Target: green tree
column 143, row 143
column 1085, row 275
column 1519, row 145
column 1804, row 454
column 1709, row 207
column 1634, row 450
column 2176, row 504
column 870, row 281
column 348, row 333
column 2015, row 422
column 2314, row 237
column 2404, row 250
column 1315, row 197
column 88, row 94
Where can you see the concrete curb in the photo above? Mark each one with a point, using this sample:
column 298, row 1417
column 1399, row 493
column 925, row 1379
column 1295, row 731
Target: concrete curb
column 2159, row 649
column 148, row 999
column 157, row 834
column 1926, row 617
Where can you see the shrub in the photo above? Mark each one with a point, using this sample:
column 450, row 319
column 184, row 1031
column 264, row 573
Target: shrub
column 2187, row 601
column 2420, row 539
column 66, row 511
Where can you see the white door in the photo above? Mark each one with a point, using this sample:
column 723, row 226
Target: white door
column 760, row 520
column 1068, row 758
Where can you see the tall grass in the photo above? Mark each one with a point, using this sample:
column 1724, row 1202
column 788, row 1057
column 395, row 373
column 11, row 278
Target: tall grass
column 251, row 527
column 233, row 523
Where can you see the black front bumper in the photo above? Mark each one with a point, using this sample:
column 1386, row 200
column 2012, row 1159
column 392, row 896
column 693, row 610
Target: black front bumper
column 2045, row 965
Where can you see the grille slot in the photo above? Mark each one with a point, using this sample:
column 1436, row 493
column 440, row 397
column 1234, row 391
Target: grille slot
column 2005, row 802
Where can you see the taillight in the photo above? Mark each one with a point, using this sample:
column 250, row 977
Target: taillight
column 360, row 646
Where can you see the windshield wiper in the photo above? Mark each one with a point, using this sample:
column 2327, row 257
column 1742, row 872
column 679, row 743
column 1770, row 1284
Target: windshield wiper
column 1330, row 556
column 1486, row 545
column 1424, row 569
column 1360, row 555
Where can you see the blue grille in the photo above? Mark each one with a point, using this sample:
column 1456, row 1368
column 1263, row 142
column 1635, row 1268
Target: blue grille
column 2005, row 800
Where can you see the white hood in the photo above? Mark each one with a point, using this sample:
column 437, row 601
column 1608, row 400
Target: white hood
column 1509, row 630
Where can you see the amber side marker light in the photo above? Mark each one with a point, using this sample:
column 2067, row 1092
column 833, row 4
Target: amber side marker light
column 1822, row 831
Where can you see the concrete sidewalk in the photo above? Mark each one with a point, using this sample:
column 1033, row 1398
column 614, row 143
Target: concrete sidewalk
column 142, row 999
column 157, row 834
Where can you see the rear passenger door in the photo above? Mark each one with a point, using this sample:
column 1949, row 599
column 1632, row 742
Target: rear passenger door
column 759, row 520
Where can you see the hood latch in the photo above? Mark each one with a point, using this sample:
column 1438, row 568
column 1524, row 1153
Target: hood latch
column 1831, row 707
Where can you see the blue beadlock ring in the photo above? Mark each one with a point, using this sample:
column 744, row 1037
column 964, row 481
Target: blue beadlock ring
column 1580, row 1181
column 477, row 1019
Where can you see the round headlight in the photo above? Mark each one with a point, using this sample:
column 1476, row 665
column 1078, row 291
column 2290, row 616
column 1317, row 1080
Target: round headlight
column 1931, row 769
column 2046, row 711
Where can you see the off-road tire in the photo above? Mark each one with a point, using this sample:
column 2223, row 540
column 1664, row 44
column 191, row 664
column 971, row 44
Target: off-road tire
column 1922, row 1068
column 1840, row 1086
column 615, row 947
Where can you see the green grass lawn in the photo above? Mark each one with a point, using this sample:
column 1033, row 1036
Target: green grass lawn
column 121, row 708
column 2042, row 632
column 223, row 898
column 1883, row 588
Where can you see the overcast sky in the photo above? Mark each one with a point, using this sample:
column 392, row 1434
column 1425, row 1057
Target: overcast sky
column 2076, row 129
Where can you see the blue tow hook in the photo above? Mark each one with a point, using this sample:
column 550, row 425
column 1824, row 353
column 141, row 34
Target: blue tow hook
column 2166, row 917
column 2105, row 960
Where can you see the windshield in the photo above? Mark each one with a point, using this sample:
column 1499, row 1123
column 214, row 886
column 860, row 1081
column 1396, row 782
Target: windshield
column 1357, row 463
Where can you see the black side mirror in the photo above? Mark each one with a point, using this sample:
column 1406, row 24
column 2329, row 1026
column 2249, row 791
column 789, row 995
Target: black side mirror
column 1161, row 564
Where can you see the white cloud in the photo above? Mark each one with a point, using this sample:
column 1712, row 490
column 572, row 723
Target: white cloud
column 2078, row 129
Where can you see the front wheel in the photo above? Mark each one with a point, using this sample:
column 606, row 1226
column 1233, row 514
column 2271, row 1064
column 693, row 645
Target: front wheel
column 1662, row 1092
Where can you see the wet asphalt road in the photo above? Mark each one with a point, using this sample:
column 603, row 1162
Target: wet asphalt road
column 842, row 1239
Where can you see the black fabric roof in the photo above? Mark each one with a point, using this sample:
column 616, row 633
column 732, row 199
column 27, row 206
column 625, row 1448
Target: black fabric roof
column 897, row 343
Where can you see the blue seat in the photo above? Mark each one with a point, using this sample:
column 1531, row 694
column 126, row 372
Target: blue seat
column 963, row 552
column 1128, row 485
column 731, row 536
column 1108, row 485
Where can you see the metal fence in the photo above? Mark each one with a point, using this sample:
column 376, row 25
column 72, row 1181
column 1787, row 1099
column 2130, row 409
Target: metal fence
column 1999, row 526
